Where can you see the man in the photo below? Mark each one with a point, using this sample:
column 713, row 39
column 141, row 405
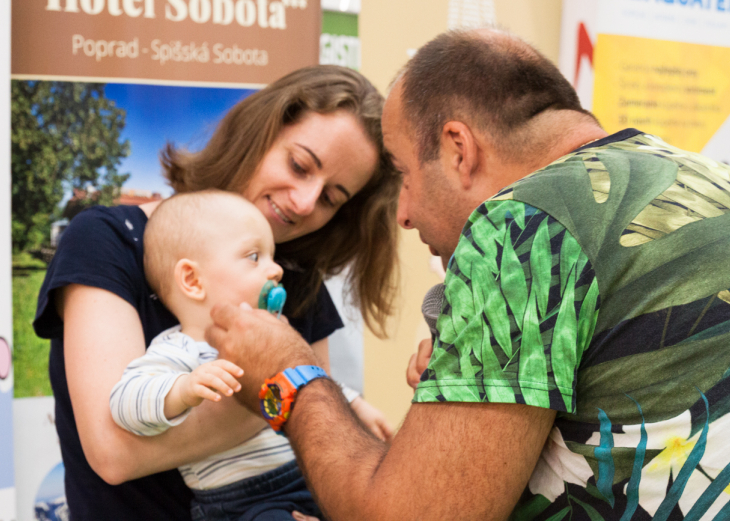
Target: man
column 581, row 365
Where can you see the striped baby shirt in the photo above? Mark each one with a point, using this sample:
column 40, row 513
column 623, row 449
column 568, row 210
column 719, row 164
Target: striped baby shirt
column 138, row 400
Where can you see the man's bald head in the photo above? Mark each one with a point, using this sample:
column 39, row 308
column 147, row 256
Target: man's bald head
column 488, row 78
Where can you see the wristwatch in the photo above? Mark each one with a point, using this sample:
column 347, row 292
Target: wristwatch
column 278, row 393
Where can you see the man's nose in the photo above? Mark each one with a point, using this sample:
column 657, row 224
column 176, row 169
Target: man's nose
column 304, row 195
column 402, row 214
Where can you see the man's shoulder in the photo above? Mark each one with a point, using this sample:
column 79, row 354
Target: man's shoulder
column 624, row 151
column 639, row 180
column 577, row 162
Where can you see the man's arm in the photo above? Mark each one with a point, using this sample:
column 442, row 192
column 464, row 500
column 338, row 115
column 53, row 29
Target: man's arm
column 454, row 461
column 449, row 461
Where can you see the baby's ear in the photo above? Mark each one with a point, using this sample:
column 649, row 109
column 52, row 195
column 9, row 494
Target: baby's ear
column 187, row 278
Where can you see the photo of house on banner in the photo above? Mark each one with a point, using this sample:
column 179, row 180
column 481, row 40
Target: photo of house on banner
column 87, row 144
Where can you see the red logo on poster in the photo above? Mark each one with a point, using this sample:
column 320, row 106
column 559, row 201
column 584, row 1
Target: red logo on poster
column 585, row 49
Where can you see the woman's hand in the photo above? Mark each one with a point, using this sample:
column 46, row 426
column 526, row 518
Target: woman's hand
column 298, row 516
column 372, row 418
column 419, row 362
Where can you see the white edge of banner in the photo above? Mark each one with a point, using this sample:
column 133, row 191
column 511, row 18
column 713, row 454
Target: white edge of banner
column 6, row 321
column 137, row 81
column 342, row 6
column 7, row 495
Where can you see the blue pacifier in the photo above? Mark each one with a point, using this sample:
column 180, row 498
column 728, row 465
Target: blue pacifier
column 272, row 298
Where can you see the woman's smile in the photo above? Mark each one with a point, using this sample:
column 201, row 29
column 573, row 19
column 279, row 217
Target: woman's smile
column 278, row 211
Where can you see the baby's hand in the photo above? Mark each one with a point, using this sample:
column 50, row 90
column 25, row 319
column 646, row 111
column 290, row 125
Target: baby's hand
column 206, row 379
column 372, row 418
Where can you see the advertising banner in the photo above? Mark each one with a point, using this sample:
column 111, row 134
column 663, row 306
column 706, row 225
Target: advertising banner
column 657, row 66
column 192, row 41
column 98, row 89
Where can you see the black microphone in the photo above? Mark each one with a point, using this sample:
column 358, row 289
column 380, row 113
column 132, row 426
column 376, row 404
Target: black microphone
column 431, row 307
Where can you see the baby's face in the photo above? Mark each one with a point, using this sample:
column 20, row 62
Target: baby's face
column 239, row 260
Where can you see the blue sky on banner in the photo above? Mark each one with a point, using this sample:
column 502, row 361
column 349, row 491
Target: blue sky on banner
column 51, row 487
column 157, row 114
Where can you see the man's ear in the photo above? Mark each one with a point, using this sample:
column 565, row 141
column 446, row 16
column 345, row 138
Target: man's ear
column 187, row 278
column 460, row 152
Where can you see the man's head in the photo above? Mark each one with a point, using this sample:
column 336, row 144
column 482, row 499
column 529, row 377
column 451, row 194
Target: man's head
column 206, row 248
column 471, row 113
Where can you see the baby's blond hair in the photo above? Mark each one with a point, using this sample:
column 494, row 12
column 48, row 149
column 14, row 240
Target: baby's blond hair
column 178, row 229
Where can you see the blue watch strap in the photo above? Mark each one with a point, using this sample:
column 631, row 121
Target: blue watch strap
column 303, row 374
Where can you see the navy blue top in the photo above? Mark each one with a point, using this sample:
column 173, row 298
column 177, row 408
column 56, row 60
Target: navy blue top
column 102, row 248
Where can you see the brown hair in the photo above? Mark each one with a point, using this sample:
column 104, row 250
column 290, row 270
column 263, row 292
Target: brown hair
column 498, row 78
column 363, row 234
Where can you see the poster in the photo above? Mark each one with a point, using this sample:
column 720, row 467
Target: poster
column 119, row 79
column 660, row 67
column 232, row 42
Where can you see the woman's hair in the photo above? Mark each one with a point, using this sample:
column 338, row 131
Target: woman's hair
column 363, row 233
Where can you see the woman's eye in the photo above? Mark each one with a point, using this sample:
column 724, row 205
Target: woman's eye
column 328, row 200
column 253, row 256
column 299, row 169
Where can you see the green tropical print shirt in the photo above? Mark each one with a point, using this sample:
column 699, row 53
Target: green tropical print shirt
column 598, row 287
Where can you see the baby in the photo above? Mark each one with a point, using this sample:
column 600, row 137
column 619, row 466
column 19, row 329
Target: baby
column 201, row 249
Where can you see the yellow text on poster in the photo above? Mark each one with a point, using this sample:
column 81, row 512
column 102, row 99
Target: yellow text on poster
column 677, row 91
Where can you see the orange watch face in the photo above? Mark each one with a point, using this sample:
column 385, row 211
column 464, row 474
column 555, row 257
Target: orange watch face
column 270, row 401
column 276, row 397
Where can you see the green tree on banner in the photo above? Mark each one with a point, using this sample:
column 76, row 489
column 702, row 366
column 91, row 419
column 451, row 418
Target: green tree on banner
column 64, row 136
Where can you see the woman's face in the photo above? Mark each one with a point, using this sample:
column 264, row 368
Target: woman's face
column 314, row 167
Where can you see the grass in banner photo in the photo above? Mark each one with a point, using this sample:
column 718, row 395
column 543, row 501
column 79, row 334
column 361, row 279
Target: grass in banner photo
column 30, row 356
column 76, row 145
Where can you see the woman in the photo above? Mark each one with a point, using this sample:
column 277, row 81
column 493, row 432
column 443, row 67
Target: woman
column 307, row 151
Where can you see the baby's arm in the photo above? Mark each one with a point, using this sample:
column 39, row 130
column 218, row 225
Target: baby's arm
column 189, row 390
column 138, row 400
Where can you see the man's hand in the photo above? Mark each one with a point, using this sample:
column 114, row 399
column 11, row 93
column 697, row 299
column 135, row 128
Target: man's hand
column 372, row 418
column 419, row 362
column 256, row 340
column 203, row 383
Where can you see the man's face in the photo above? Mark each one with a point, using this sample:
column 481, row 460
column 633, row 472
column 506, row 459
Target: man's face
column 428, row 200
